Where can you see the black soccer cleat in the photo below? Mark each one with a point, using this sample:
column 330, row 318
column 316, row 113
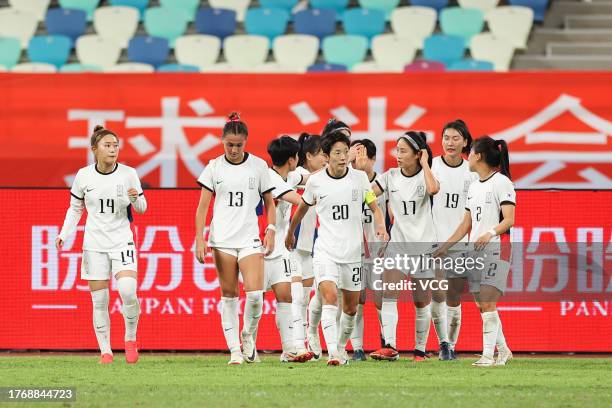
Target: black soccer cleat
column 445, row 352
column 359, row 355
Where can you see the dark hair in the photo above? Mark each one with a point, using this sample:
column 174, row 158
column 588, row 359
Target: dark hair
column 333, row 138
column 235, row 125
column 98, row 133
column 494, row 153
column 369, row 146
column 420, row 139
column 282, row 149
column 463, row 130
column 334, row 124
column 308, row 144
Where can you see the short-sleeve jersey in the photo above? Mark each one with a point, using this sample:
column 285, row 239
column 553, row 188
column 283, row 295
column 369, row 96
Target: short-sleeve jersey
column 237, row 187
column 107, row 228
column 283, row 209
column 369, row 226
column 305, row 232
column 484, row 201
column 449, row 204
column 338, row 204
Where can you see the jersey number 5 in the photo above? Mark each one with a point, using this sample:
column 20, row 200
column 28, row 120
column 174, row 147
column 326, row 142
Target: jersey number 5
column 110, row 204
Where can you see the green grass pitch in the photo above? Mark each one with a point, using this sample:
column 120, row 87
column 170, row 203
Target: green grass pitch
column 205, row 380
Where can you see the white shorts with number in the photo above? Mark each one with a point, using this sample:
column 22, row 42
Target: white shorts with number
column 370, row 277
column 240, row 253
column 277, row 270
column 347, row 276
column 303, row 263
column 495, row 273
column 103, row 265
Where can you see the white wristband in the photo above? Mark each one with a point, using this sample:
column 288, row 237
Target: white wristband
column 271, row 227
column 492, row 232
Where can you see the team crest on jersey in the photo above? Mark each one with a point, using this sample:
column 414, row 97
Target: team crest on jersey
column 355, row 195
column 489, row 197
column 421, row 191
column 119, row 190
column 466, row 185
column 251, row 183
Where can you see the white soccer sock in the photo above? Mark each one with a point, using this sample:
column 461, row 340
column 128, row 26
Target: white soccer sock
column 252, row 311
column 347, row 324
column 284, row 325
column 101, row 319
column 378, row 312
column 296, row 313
column 438, row 316
column 328, row 321
column 389, row 318
column 501, row 339
column 314, row 314
column 230, row 322
column 490, row 328
column 339, row 311
column 453, row 314
column 422, row 323
column 131, row 307
column 357, row 335
column 305, row 300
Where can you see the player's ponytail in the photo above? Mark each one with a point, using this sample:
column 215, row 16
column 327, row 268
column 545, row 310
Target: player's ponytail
column 308, row 144
column 494, row 153
column 98, row 133
column 234, row 125
column 504, row 159
column 460, row 126
column 417, row 141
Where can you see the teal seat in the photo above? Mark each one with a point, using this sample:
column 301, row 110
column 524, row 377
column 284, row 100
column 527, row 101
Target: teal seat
column 50, row 49
column 386, row 6
column 76, row 68
column 345, row 50
column 165, row 23
column 471, row 65
column 444, row 48
column 465, row 22
column 141, row 5
column 189, row 7
column 10, row 51
column 364, row 22
column 177, row 68
column 87, row 6
column 286, row 5
column 267, row 22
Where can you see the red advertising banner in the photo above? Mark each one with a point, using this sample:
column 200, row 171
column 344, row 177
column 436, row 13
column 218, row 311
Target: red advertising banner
column 557, row 124
column 45, row 305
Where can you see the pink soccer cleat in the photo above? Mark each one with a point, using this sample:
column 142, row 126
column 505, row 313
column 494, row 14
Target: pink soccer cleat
column 131, row 352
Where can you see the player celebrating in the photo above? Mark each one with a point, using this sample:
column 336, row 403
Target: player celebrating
column 337, row 194
column 238, row 180
column 109, row 191
column 493, row 194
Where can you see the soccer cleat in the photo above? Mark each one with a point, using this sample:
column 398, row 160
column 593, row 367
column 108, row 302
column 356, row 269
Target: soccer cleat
column 131, row 352
column 453, row 354
column 484, row 362
column 445, row 352
column 314, row 345
column 386, row 353
column 337, row 360
column 236, row 358
column 359, row 355
column 301, row 356
column 106, row 359
column 419, row 356
column 503, row 356
column 248, row 348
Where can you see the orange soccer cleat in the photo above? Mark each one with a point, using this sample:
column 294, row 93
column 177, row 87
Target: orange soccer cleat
column 106, row 359
column 131, row 352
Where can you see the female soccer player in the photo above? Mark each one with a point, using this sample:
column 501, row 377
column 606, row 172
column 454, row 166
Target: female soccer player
column 455, row 177
column 109, row 191
column 337, row 194
column 238, row 180
column 409, row 188
column 493, row 194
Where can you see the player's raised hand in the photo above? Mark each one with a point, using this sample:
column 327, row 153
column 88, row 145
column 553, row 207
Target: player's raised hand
column 59, row 243
column 269, row 241
column 201, row 250
column 361, row 158
column 133, row 194
column 353, row 152
column 424, row 158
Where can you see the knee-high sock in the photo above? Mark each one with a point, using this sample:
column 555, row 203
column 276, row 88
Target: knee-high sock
column 101, row 319
column 423, row 321
column 284, row 323
column 389, row 317
column 296, row 313
column 357, row 335
column 339, row 310
column 379, row 313
column 347, row 324
column 438, row 317
column 131, row 307
column 314, row 314
column 501, row 339
column 454, row 324
column 328, row 321
column 230, row 322
column 490, row 329
column 305, row 301
column 252, row 311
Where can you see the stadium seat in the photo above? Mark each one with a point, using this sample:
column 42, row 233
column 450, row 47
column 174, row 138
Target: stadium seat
column 511, row 23
column 117, row 23
column 444, row 48
column 434, row 4
column 97, row 51
column 464, row 22
column 141, row 5
column 425, row 66
column 239, row 6
column 34, row 68
column 486, row 47
column 79, row 68
column 177, row 68
column 148, row 50
column 414, row 22
column 199, row 50
column 218, row 22
column 267, row 22
column 319, row 23
column 10, row 51
column 188, row 7
column 386, row 6
column 88, row 6
column 339, row 6
column 68, row 22
column 471, row 65
column 17, row 24
column 391, row 52
column 36, row 7
column 246, row 51
column 286, row 5
column 50, row 49
column 297, row 51
column 327, row 68
column 482, row 5
column 345, row 50
column 364, row 22
column 165, row 23
column 371, row 67
column 538, row 7
column 3, row 68
column 131, row 68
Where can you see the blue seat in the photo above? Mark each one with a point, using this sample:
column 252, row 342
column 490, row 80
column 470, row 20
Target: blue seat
column 10, row 51
column 538, row 6
column 177, row 68
column 141, row 5
column 444, row 48
column 50, row 49
column 319, row 23
column 386, row 6
column 86, row 5
column 471, row 65
column 364, row 22
column 68, row 22
column 345, row 49
column 434, row 4
column 218, row 22
column 148, row 50
column 327, row 68
column 286, row 5
column 267, row 22
column 339, row 6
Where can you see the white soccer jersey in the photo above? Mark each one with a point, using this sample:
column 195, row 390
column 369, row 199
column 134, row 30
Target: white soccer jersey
column 410, row 205
column 484, row 201
column 238, row 189
column 105, row 197
column 338, row 204
column 369, row 226
column 449, row 204
column 283, row 209
column 306, row 230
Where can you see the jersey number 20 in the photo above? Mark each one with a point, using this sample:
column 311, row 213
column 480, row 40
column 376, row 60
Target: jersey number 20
column 340, row 212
